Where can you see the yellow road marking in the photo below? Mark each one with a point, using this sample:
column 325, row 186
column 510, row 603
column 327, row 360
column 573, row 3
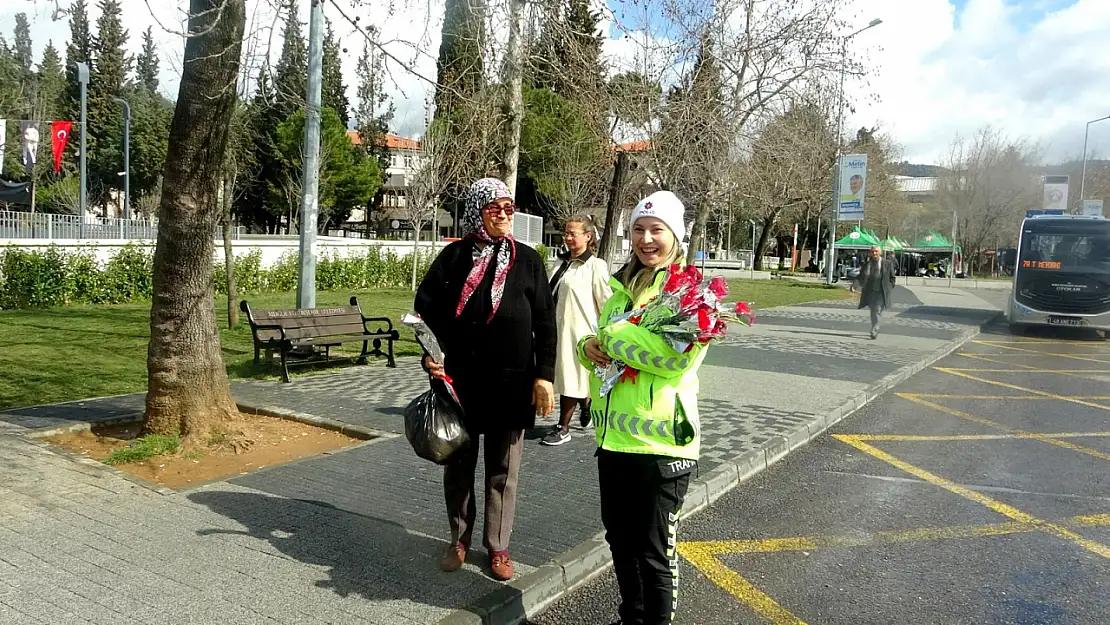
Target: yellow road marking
column 976, row 437
column 705, row 559
column 999, row 397
column 1053, row 529
column 813, row 543
column 998, row 426
column 1023, row 389
column 1077, row 373
column 1028, row 369
column 1033, row 351
column 1093, row 344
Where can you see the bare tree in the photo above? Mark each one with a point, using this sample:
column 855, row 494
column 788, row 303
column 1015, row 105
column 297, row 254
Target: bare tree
column 435, row 170
column 187, row 387
column 990, row 184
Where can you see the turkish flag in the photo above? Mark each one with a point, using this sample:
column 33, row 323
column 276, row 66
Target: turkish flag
column 60, row 132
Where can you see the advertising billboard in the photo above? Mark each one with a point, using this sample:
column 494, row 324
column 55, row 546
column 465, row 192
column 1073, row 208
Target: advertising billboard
column 853, row 186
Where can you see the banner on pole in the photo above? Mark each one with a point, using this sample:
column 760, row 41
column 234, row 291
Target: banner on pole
column 853, row 184
column 30, row 132
column 60, row 132
column 1055, row 193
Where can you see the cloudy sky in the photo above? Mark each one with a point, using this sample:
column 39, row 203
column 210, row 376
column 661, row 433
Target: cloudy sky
column 1034, row 68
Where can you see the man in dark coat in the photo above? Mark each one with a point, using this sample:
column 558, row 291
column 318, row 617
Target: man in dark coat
column 876, row 281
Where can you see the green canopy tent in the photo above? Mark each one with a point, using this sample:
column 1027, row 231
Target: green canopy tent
column 858, row 239
column 933, row 242
column 893, row 244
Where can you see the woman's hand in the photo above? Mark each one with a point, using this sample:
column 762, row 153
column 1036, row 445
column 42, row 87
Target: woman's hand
column 434, row 368
column 594, row 353
column 543, row 397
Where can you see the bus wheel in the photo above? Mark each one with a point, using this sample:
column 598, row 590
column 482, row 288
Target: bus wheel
column 1017, row 329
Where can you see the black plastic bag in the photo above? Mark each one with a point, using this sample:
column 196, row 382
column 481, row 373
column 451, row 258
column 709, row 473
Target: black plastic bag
column 434, row 424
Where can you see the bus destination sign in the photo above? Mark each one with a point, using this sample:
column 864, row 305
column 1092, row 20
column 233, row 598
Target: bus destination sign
column 1041, row 264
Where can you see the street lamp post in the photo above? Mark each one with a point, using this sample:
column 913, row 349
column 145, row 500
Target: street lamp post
column 83, row 80
column 126, row 156
column 836, row 165
column 1083, row 178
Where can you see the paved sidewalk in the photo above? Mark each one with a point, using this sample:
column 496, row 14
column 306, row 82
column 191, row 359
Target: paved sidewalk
column 355, row 536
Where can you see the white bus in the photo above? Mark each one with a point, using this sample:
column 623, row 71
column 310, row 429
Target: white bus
column 1062, row 273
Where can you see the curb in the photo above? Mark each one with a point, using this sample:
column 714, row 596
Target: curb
column 529, row 594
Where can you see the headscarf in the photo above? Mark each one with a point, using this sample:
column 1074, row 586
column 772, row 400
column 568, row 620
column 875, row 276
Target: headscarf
column 482, row 193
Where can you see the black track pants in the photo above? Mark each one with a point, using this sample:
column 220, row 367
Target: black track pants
column 639, row 508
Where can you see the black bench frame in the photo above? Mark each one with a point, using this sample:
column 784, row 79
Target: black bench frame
column 285, row 345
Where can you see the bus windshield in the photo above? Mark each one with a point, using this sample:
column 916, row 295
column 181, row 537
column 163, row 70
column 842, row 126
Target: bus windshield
column 1072, row 247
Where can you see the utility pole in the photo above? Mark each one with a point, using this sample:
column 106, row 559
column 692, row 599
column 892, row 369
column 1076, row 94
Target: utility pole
column 83, row 80
column 126, row 156
column 310, row 178
column 1083, row 178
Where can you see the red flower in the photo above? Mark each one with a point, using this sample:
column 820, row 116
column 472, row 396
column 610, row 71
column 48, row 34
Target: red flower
column 629, row 374
column 742, row 308
column 705, row 323
column 719, row 287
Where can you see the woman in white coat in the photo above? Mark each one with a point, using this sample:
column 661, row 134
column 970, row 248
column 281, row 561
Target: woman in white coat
column 581, row 288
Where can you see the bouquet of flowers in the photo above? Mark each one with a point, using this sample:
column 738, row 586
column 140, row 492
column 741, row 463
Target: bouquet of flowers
column 689, row 310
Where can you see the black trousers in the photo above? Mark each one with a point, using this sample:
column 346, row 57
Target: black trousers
column 639, row 507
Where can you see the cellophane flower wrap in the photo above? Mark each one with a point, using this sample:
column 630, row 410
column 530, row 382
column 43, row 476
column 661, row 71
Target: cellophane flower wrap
column 689, row 310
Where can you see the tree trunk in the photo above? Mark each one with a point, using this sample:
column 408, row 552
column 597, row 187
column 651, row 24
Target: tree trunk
column 415, row 250
column 187, row 388
column 697, row 232
column 607, row 245
column 514, row 98
column 229, row 253
column 768, row 223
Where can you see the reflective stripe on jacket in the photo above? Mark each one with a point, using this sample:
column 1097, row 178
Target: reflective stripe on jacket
column 647, row 415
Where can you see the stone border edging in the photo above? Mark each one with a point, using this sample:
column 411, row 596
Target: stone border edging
column 529, row 594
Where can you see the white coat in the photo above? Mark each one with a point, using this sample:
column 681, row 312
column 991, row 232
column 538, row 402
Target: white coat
column 580, row 295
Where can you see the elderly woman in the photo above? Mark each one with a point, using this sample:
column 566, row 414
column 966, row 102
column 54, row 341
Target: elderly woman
column 581, row 287
column 487, row 300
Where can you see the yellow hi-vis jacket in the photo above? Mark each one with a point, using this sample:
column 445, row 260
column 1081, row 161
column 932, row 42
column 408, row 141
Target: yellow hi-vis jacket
column 657, row 413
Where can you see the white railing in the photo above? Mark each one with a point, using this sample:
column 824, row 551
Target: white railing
column 20, row 225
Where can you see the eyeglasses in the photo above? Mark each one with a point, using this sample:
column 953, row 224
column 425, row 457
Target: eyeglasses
column 572, row 234
column 493, row 209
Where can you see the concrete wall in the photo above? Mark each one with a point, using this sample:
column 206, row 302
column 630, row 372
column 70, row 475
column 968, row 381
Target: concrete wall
column 271, row 247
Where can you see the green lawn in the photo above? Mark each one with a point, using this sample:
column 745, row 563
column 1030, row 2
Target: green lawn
column 76, row 352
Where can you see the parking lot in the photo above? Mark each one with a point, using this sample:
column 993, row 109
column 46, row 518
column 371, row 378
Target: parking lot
column 976, row 492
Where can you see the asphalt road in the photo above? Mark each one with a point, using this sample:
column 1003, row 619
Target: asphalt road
column 976, row 492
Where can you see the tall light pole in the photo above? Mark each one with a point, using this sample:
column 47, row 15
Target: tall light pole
column 1083, row 178
column 126, row 156
column 310, row 199
column 83, row 80
column 836, row 165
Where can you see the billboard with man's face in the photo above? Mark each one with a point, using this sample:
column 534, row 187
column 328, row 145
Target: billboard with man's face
column 853, row 183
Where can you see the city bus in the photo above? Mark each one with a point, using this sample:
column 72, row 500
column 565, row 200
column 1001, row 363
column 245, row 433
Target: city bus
column 1062, row 273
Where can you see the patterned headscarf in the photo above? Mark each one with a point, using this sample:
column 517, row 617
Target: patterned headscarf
column 481, row 194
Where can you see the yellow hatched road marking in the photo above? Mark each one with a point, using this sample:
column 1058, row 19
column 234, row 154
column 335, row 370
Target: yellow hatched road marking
column 1028, row 369
column 976, row 437
column 1078, row 373
column 1033, row 351
column 1093, row 344
column 706, row 561
column 998, row 426
column 1022, row 388
column 1053, row 529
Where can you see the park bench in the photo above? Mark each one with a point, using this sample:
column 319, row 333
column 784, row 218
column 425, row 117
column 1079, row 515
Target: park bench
column 310, row 331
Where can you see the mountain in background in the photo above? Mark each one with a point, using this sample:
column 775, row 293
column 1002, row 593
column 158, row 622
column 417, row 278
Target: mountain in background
column 918, row 170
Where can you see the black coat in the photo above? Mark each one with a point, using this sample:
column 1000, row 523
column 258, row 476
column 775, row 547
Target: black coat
column 886, row 275
column 493, row 364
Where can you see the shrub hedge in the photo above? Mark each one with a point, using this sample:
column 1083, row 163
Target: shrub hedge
column 41, row 279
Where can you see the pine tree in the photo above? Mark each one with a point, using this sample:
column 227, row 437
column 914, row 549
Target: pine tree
column 146, row 65
column 291, row 73
column 459, row 68
column 51, row 81
column 111, row 68
column 374, row 110
column 333, row 93
column 22, row 48
column 79, row 49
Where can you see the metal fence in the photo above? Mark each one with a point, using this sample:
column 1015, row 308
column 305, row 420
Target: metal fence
column 19, row 225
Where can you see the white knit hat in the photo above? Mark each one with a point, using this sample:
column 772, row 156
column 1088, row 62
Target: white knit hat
column 666, row 207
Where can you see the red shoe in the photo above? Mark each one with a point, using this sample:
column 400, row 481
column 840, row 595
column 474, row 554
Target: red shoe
column 454, row 558
column 501, row 566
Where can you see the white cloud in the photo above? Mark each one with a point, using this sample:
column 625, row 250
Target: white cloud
column 936, row 70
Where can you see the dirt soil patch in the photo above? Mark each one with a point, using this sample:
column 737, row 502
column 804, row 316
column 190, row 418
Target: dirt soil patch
column 276, row 441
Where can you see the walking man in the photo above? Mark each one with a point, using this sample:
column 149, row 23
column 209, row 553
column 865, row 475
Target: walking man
column 876, row 281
